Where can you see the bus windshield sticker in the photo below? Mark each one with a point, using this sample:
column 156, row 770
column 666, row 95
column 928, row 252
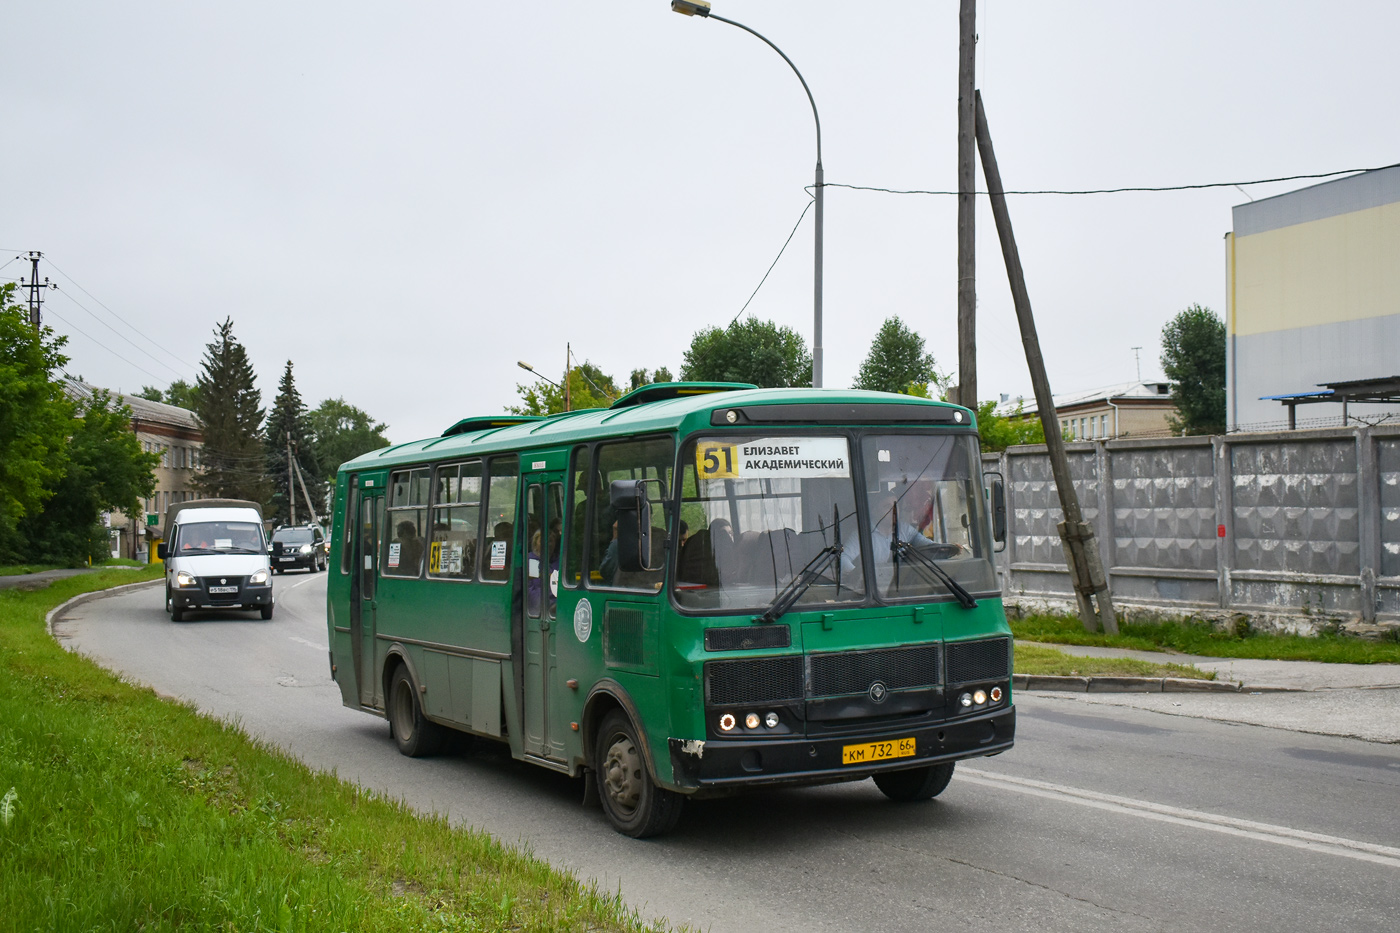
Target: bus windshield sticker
column 498, row 555
column 773, row 458
column 394, row 550
column 583, row 620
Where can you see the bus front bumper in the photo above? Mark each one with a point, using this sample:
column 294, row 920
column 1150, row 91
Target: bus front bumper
column 734, row 763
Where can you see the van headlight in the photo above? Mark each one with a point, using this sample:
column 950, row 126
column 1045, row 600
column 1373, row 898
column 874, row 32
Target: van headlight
column 258, row 579
column 185, row 579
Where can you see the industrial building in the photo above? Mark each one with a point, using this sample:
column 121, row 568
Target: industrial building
column 1313, row 299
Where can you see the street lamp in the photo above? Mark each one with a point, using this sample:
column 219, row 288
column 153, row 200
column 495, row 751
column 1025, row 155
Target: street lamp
column 702, row 9
column 530, row 369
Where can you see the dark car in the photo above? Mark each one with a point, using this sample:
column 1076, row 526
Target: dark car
column 298, row 546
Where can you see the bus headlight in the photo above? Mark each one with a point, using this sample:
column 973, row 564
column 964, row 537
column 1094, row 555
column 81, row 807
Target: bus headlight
column 185, row 579
column 751, row 721
column 727, row 722
column 771, row 720
column 258, row 579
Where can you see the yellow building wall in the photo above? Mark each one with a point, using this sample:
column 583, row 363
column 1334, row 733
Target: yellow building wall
column 1340, row 268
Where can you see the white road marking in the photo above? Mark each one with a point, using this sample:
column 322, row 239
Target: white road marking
column 310, row 644
column 304, row 582
column 1248, row 829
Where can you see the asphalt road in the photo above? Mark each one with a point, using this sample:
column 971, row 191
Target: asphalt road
column 1101, row 818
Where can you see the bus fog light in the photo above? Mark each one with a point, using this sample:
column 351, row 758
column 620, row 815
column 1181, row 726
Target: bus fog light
column 726, row 722
column 751, row 721
column 965, row 699
column 996, row 694
column 771, row 720
column 979, row 697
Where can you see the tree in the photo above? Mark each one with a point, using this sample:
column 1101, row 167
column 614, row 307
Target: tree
column 640, row 377
column 589, row 387
column 342, row 432
column 107, row 471
column 897, row 363
column 753, row 351
column 1193, row 357
column 180, row 393
column 287, row 425
column 35, row 417
column 233, row 462
column 999, row 432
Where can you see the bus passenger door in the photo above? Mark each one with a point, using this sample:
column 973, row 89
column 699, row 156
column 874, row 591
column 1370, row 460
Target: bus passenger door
column 363, row 602
column 544, row 510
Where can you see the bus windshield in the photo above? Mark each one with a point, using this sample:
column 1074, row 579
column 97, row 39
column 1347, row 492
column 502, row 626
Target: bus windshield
column 924, row 498
column 756, row 511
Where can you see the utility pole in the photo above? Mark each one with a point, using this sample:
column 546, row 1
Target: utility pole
column 310, row 506
column 1076, row 535
column 967, row 187
column 36, row 289
column 568, row 364
column 291, row 490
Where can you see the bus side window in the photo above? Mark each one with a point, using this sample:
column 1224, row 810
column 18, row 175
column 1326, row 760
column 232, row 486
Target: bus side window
column 653, row 458
column 455, row 521
column 498, row 535
column 577, row 517
column 403, row 538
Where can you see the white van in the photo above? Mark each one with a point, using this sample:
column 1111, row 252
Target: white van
column 215, row 557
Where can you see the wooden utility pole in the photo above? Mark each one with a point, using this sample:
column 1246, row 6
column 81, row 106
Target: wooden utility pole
column 568, row 365
column 291, row 489
column 1076, row 535
column 967, row 187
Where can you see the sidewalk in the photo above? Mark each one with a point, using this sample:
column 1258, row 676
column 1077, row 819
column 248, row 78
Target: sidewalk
column 35, row 581
column 1250, row 675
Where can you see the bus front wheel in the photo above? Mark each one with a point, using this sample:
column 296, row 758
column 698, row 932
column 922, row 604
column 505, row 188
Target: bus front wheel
column 634, row 804
column 414, row 733
column 915, row 783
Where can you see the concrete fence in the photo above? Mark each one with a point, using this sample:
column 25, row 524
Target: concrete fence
column 1292, row 530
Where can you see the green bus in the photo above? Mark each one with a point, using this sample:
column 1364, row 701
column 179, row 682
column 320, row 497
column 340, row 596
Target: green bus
column 703, row 588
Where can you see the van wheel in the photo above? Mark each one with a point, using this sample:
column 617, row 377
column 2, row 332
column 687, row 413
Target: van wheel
column 177, row 614
column 169, row 600
column 635, row 806
column 265, row 612
column 415, row 735
column 915, row 783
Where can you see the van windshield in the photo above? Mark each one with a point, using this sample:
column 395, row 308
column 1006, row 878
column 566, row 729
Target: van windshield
column 218, row 538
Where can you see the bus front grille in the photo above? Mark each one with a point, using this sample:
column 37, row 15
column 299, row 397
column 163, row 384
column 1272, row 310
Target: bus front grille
column 854, row 672
column 987, row 659
column 753, row 680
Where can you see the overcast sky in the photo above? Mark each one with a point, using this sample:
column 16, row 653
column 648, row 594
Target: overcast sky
column 405, row 199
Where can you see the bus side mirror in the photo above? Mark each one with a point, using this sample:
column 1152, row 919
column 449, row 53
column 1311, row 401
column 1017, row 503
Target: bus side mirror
column 628, row 497
column 996, row 486
column 162, row 551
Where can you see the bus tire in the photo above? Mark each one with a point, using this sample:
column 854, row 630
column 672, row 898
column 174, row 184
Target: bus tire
column 415, row 735
column 634, row 805
column 915, row 783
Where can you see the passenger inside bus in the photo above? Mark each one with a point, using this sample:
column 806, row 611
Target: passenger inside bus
column 410, row 549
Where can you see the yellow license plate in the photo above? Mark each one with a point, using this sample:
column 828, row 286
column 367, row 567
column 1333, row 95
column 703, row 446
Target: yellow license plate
column 877, row 751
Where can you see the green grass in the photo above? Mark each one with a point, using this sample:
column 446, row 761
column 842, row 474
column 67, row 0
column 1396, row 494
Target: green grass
column 15, row 570
column 122, row 811
column 1203, row 639
column 1034, row 659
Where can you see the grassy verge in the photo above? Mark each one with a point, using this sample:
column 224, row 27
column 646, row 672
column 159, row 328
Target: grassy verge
column 1203, row 639
column 1033, row 659
column 120, row 811
column 16, row 570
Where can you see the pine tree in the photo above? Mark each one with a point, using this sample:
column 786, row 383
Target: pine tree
column 287, row 422
column 232, row 463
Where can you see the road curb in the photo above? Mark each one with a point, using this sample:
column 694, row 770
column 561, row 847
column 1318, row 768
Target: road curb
column 53, row 614
column 1065, row 684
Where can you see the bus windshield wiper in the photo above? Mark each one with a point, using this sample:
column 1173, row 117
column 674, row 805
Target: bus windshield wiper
column 905, row 549
column 801, row 583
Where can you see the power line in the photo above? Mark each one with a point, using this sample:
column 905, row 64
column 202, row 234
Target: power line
column 775, row 261
column 104, row 346
column 158, row 361
column 1125, row 190
column 79, row 287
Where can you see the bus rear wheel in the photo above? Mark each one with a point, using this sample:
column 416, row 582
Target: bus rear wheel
column 915, row 783
column 635, row 806
column 415, row 735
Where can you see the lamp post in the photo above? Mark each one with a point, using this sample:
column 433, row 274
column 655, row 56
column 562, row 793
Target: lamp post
column 702, row 9
column 530, row 369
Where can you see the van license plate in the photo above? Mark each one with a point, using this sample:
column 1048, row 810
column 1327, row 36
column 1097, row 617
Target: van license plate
column 877, row 751
column 223, row 589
